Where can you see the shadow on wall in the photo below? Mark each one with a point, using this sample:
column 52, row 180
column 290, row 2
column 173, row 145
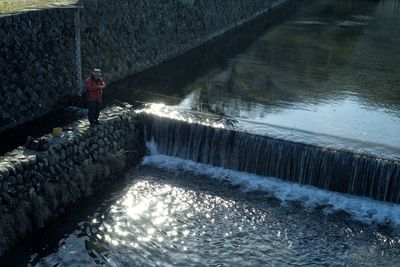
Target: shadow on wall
column 124, row 37
column 37, row 63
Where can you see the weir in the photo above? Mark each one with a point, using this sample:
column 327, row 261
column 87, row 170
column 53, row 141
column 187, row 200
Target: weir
column 287, row 114
column 326, row 168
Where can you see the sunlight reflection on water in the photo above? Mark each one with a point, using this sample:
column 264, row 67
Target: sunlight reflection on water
column 178, row 218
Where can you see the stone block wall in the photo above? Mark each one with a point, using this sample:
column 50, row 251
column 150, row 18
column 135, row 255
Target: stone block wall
column 37, row 186
column 37, row 63
column 41, row 52
column 123, row 37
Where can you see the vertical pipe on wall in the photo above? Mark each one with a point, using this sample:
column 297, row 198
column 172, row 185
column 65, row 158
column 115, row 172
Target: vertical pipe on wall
column 78, row 62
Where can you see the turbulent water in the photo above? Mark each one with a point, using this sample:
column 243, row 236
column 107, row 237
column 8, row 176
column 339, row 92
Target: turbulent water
column 180, row 216
column 331, row 169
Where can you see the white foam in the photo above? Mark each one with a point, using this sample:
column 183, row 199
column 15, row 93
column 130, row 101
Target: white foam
column 362, row 17
column 360, row 208
column 309, row 22
column 350, row 23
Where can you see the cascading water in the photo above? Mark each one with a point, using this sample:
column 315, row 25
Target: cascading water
column 335, row 170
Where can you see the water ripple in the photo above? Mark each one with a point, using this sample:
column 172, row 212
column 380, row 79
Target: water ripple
column 181, row 218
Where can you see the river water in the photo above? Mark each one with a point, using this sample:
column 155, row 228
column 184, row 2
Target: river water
column 185, row 214
column 329, row 75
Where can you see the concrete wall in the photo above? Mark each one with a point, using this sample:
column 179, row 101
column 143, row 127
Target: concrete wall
column 41, row 52
column 36, row 186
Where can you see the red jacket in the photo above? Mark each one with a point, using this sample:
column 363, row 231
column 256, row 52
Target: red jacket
column 95, row 88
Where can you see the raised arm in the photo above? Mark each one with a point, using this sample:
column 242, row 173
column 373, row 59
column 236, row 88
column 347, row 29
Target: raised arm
column 102, row 84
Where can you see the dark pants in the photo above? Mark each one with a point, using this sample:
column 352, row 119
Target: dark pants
column 94, row 111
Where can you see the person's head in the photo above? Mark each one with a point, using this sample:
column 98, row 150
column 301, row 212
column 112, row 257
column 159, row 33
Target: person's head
column 96, row 73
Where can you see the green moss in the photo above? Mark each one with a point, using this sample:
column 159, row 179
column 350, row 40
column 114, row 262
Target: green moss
column 11, row 6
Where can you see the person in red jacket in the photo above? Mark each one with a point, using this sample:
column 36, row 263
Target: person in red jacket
column 95, row 85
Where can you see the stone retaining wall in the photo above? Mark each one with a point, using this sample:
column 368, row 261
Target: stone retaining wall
column 44, row 54
column 36, row 186
column 37, row 63
column 123, row 37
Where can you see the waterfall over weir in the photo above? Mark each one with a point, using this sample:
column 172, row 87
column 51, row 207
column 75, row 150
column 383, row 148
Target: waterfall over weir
column 335, row 170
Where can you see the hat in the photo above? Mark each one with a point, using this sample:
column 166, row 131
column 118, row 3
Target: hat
column 57, row 131
column 96, row 72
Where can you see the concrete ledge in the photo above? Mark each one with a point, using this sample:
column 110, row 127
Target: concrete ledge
column 35, row 187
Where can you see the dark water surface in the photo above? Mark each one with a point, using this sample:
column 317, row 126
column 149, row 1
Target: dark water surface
column 180, row 218
column 330, row 74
